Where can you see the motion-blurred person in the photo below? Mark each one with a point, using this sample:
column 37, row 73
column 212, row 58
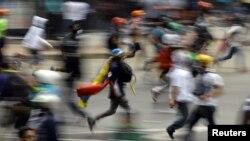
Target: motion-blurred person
column 163, row 58
column 245, row 112
column 115, row 36
column 208, row 89
column 27, row 134
column 181, row 88
column 234, row 39
column 202, row 24
column 43, row 120
column 74, row 10
column 72, row 65
column 34, row 40
column 3, row 29
column 119, row 74
column 136, row 31
column 15, row 91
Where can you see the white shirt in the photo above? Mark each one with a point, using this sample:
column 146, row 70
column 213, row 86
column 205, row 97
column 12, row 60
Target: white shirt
column 183, row 79
column 75, row 10
column 237, row 35
column 211, row 80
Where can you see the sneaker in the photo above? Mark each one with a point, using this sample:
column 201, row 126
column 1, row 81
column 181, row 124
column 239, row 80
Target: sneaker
column 170, row 133
column 91, row 123
column 155, row 95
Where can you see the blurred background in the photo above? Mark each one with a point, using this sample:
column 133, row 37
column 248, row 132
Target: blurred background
column 95, row 17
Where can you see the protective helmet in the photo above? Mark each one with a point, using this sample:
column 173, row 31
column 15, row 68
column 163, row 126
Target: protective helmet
column 205, row 5
column 205, row 59
column 137, row 13
column 4, row 12
column 171, row 39
column 47, row 77
column 117, row 52
column 118, row 21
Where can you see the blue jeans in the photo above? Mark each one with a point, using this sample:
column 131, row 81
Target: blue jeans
column 184, row 111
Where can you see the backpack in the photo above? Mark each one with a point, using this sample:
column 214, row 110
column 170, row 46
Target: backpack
column 126, row 72
column 201, row 87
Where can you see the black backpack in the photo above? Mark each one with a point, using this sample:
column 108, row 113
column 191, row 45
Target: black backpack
column 126, row 72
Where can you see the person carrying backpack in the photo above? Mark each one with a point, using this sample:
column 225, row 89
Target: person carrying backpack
column 208, row 90
column 120, row 73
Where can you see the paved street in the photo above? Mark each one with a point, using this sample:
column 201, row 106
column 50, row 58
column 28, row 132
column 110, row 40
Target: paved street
column 153, row 117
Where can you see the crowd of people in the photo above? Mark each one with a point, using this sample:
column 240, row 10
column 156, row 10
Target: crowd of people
column 185, row 65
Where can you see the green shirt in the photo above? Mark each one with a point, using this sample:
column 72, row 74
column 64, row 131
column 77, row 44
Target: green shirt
column 3, row 26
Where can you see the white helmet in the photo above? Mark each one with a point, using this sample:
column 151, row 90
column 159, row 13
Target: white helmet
column 47, row 76
column 171, row 39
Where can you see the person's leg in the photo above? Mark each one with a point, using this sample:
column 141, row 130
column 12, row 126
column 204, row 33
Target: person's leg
column 124, row 104
column 240, row 61
column 112, row 110
column 183, row 110
column 209, row 114
column 193, row 119
column 70, row 99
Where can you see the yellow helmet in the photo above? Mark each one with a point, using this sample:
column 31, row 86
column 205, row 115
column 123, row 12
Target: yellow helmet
column 205, row 59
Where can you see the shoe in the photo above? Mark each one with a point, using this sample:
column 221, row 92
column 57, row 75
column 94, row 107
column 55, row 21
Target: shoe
column 91, row 123
column 155, row 95
column 170, row 133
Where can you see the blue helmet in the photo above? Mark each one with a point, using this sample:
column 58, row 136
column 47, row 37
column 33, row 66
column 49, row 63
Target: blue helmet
column 117, row 52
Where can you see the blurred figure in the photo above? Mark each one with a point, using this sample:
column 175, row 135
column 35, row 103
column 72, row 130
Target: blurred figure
column 74, row 11
column 15, row 91
column 119, row 74
column 3, row 29
column 202, row 24
column 208, row 89
column 245, row 120
column 34, row 40
column 234, row 39
column 27, row 134
column 114, row 38
column 72, row 65
column 44, row 122
column 136, row 31
column 180, row 89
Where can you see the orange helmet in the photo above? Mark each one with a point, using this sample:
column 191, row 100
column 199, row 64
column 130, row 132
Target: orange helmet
column 118, row 21
column 136, row 13
column 205, row 5
column 4, row 11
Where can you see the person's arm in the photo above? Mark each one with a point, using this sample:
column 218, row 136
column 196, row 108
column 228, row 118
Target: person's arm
column 174, row 93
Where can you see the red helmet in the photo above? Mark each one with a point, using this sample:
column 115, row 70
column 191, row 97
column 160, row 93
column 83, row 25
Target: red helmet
column 4, row 12
column 205, row 5
column 119, row 21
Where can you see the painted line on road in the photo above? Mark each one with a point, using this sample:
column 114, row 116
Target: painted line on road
column 197, row 129
column 61, row 139
column 164, row 136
